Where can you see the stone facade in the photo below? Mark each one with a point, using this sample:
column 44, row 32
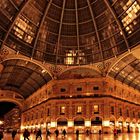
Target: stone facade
column 88, row 103
column 12, row 119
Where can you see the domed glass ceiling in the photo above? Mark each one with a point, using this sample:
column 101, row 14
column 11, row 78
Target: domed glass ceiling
column 70, row 32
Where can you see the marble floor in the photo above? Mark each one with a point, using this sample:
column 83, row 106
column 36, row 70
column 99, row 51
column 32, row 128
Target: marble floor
column 131, row 136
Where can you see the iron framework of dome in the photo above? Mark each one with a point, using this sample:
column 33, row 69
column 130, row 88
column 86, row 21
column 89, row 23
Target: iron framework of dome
column 70, row 32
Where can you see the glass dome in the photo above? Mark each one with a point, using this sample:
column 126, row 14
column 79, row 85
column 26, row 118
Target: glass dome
column 70, row 32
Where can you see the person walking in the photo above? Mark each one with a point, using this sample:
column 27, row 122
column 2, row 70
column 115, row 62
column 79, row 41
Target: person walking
column 56, row 132
column 77, row 134
column 115, row 132
column 14, row 132
column 48, row 133
column 87, row 132
column 64, row 132
column 26, row 134
column 1, row 135
column 39, row 134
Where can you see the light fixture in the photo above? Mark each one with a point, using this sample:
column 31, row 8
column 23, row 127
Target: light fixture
column 1, row 122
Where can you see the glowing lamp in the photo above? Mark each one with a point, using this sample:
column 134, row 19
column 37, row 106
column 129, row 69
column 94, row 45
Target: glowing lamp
column 53, row 124
column 105, row 123
column 70, row 123
column 87, row 123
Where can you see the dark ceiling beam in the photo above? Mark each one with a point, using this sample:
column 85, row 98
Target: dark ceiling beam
column 39, row 29
column 13, row 4
column 114, row 1
column 96, row 30
column 23, row 6
column 60, row 29
column 118, row 22
column 77, row 27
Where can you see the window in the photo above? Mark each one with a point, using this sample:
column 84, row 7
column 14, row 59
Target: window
column 69, row 57
column 96, row 88
column 133, row 114
column 79, row 110
column 96, row 109
column 110, row 89
column 79, row 89
column 120, row 112
column 62, row 110
column 127, row 113
column 112, row 110
column 62, row 89
column 130, row 15
column 42, row 114
column 139, row 115
column 75, row 57
column 48, row 112
column 23, row 29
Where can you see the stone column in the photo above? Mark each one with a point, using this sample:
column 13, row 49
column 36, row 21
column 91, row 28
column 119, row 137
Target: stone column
column 106, row 127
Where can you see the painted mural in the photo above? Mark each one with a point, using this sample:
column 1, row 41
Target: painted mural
column 79, row 73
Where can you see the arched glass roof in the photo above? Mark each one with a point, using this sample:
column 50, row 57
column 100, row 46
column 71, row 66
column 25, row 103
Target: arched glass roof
column 127, row 70
column 23, row 77
column 70, row 32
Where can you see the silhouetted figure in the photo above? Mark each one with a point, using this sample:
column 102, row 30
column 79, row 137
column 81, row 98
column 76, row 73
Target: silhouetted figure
column 77, row 134
column 87, row 132
column 38, row 134
column 128, row 129
column 64, row 132
column 100, row 132
column 1, row 135
column 14, row 132
column 26, row 134
column 56, row 132
column 48, row 133
column 115, row 132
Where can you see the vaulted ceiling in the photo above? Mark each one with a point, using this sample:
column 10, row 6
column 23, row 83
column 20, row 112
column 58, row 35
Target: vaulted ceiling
column 67, row 32
column 22, row 76
column 127, row 70
column 70, row 32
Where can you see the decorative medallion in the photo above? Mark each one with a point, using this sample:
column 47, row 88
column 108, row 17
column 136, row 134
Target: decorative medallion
column 55, row 70
column 104, row 67
column 3, row 53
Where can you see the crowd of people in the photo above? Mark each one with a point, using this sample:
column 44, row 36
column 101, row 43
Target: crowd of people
column 38, row 133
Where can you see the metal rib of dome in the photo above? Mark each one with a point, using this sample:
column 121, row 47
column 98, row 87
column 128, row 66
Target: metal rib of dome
column 70, row 32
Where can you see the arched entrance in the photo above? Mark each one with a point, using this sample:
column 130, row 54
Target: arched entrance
column 62, row 123
column 10, row 114
column 133, row 126
column 112, row 124
column 79, row 123
column 138, row 127
column 128, row 127
column 48, row 124
column 96, row 124
column 120, row 125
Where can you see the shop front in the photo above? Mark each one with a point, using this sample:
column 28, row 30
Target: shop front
column 79, row 124
column 96, row 125
column 62, row 124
